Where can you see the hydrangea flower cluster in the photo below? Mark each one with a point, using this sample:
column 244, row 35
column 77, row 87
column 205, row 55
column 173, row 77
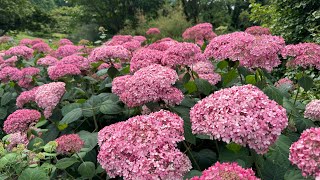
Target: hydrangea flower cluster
column 107, row 53
column 313, row 110
column 46, row 96
column 23, row 76
column 258, row 30
column 241, row 114
column 149, row 84
column 145, row 57
column 69, row 144
column 305, row 153
column 151, row 31
column 63, row 42
column 205, row 70
column 303, row 54
column 8, row 62
column 144, row 147
column 10, row 73
column 25, row 42
column 47, row 61
column 67, row 50
column 226, row 171
column 36, row 41
column 106, row 66
column 285, row 83
column 251, row 51
column 22, row 51
column 17, row 138
column 41, row 47
column 79, row 61
column 20, row 120
column 182, row 54
column 199, row 33
column 61, row 70
column 131, row 43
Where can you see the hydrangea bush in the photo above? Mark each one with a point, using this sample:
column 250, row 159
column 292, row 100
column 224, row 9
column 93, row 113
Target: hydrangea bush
column 212, row 107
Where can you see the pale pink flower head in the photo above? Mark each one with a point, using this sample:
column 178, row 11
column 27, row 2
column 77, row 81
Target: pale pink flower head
column 145, row 57
column 67, row 50
column 17, row 138
column 144, row 147
column 305, row 153
column 226, row 171
column 20, row 120
column 25, row 42
column 284, row 83
column 63, row 42
column 58, row 71
column 79, row 61
column 21, row 51
column 149, row 84
column 163, row 44
column 47, row 61
column 182, row 54
column 41, row 47
column 205, row 70
column 152, row 31
column 258, row 30
column 303, row 54
column 107, row 53
column 313, row 110
column 199, row 33
column 241, row 114
column 141, row 39
column 69, row 144
column 11, row 60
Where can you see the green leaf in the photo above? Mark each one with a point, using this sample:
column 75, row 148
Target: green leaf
column 102, row 72
column 65, row 163
column 274, row 94
column 190, row 86
column 67, row 108
column 205, row 158
column 35, row 143
column 113, row 72
column 186, row 78
column 41, row 123
column 90, row 140
column 3, row 113
column 226, row 155
column 306, row 82
column 234, row 147
column 33, row 173
column 222, row 64
column 251, row 79
column 192, row 174
column 303, row 123
column 87, row 169
column 228, row 77
column 279, row 151
column 294, row 174
column 8, row 159
column 110, row 107
column 6, row 98
column 72, row 116
column 203, row 86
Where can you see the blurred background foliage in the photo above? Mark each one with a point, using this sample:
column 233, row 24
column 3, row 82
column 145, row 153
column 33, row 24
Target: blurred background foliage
column 80, row 19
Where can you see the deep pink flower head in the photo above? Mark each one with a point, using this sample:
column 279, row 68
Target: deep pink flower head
column 205, row 70
column 182, row 54
column 313, row 110
column 199, row 33
column 144, row 147
column 25, row 42
column 22, row 51
column 241, row 114
column 20, row 120
column 258, row 30
column 106, row 53
column 63, row 42
column 141, row 39
column 36, row 41
column 79, row 61
column 153, row 31
column 69, row 144
column 163, row 44
column 284, row 83
column 47, row 61
column 17, row 138
column 145, row 57
column 10, row 73
column 303, row 54
column 149, row 84
column 67, row 50
column 61, row 70
column 41, row 47
column 226, row 171
column 305, row 153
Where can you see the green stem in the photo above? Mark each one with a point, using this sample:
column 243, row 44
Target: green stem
column 79, row 157
column 217, row 147
column 295, row 100
column 188, row 149
column 240, row 76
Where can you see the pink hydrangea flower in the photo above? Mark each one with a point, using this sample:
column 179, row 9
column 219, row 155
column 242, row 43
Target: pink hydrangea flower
column 303, row 54
column 226, row 171
column 145, row 57
column 26, row 97
column 22, row 51
column 141, row 39
column 163, row 44
column 182, row 54
column 20, row 120
column 305, row 153
column 205, row 70
column 69, row 144
column 79, row 61
column 61, row 70
column 258, row 30
column 144, row 147
column 119, row 40
column 67, row 50
column 132, row 45
column 149, row 84
column 25, row 42
column 63, row 42
column 153, row 31
column 313, row 110
column 27, row 74
column 17, row 138
column 106, row 66
column 199, row 33
column 11, row 60
column 47, row 61
column 41, row 47
column 10, row 73
column 107, row 53
column 36, row 41
column 241, row 114
column 284, row 82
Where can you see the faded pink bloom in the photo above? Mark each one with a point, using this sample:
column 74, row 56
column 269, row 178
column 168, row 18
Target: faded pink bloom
column 149, row 84
column 145, row 57
column 241, row 114
column 11, row 60
column 305, row 153
column 144, row 147
column 107, row 53
column 22, row 51
column 67, row 50
column 153, row 31
column 69, row 144
column 303, row 54
column 284, row 83
column 63, row 42
column 41, row 47
column 226, row 171
column 163, row 44
column 141, row 39
column 17, row 138
column 199, row 33
column 47, row 61
column 313, row 110
column 20, row 120
column 61, row 70
column 205, row 70
column 258, row 30
column 79, row 61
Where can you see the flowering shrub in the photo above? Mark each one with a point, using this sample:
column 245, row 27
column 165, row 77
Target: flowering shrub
column 141, row 108
column 153, row 31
